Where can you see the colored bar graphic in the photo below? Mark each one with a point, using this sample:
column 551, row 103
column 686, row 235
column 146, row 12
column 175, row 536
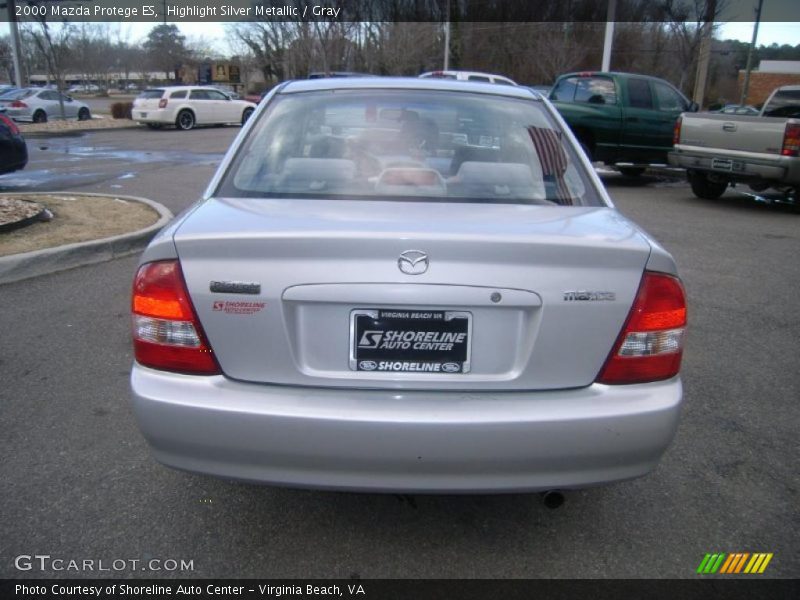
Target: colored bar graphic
column 703, row 563
column 764, row 564
column 731, row 563
column 734, row 563
column 741, row 562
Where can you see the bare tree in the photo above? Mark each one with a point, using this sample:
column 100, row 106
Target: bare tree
column 688, row 21
column 268, row 41
column 53, row 44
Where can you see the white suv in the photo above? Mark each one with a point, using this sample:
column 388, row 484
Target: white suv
column 188, row 106
column 469, row 76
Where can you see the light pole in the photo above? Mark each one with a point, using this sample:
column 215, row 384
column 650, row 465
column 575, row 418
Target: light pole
column 748, row 68
column 15, row 43
column 610, row 16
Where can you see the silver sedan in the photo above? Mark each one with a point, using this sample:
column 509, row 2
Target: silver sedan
column 39, row 105
column 407, row 285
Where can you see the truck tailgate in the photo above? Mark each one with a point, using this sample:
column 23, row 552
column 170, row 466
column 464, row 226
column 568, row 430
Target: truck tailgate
column 762, row 135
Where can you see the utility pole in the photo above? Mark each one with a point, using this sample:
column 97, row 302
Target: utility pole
column 748, row 68
column 610, row 16
column 705, row 53
column 447, row 38
column 15, row 42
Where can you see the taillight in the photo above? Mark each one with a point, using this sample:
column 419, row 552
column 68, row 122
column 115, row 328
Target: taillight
column 12, row 127
column 676, row 131
column 162, row 103
column 166, row 332
column 650, row 346
column 18, row 104
column 791, row 140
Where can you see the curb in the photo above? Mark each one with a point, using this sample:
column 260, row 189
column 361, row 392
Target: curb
column 17, row 267
column 73, row 132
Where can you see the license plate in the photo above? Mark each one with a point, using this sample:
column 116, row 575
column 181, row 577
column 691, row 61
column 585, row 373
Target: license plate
column 143, row 115
column 726, row 164
column 410, row 341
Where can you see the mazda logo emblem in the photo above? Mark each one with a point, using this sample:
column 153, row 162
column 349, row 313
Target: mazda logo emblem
column 413, row 262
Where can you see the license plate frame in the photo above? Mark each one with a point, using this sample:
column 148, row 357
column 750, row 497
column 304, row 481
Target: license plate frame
column 376, row 332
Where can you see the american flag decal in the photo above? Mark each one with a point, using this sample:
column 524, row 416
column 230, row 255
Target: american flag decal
column 553, row 159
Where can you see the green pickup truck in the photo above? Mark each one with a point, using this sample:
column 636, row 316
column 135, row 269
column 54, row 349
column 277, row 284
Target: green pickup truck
column 621, row 119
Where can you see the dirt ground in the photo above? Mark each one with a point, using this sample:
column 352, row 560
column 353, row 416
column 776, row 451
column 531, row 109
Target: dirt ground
column 77, row 218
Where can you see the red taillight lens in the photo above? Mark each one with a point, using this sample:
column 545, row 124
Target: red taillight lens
column 676, row 131
column 162, row 103
column 650, row 346
column 791, row 140
column 18, row 104
column 166, row 332
column 12, row 127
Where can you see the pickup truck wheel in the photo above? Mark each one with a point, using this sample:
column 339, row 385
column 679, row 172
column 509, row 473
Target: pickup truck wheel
column 632, row 171
column 704, row 187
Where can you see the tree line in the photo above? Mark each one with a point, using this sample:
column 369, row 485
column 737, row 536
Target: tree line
column 532, row 53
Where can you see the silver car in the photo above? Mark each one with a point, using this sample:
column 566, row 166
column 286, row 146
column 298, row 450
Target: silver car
column 39, row 105
column 413, row 285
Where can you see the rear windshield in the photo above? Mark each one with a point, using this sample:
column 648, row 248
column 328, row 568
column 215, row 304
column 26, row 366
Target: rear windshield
column 17, row 94
column 150, row 94
column 408, row 144
column 785, row 103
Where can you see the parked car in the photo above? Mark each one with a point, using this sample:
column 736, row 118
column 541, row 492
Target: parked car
column 469, row 76
column 39, row 105
column 13, row 150
column 762, row 151
column 404, row 284
column 188, row 106
column 621, row 119
column 322, row 74
column 737, row 109
column 84, row 88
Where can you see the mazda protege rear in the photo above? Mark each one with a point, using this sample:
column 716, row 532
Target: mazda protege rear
column 411, row 285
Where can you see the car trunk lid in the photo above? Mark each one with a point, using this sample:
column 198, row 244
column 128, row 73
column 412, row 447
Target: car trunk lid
column 304, row 288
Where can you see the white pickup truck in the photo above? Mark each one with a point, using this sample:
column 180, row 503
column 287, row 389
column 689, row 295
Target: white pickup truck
column 762, row 151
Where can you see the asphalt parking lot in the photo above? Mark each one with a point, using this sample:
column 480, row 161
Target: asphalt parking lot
column 79, row 483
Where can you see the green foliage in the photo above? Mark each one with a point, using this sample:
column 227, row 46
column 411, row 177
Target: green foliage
column 166, row 48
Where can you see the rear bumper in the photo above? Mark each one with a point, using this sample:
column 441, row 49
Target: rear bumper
column 20, row 114
column 774, row 168
column 378, row 440
column 158, row 115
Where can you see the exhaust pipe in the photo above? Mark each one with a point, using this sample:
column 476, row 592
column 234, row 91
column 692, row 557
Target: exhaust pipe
column 553, row 499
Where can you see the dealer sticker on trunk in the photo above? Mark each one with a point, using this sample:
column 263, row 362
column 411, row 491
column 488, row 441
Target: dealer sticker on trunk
column 410, row 341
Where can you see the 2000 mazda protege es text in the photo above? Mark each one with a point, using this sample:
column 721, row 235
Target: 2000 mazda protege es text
column 407, row 284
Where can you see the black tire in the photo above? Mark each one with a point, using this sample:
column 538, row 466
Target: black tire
column 248, row 112
column 632, row 171
column 84, row 114
column 154, row 125
column 185, row 120
column 40, row 117
column 704, row 187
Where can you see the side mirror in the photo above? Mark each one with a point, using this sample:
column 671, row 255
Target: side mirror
column 694, row 107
